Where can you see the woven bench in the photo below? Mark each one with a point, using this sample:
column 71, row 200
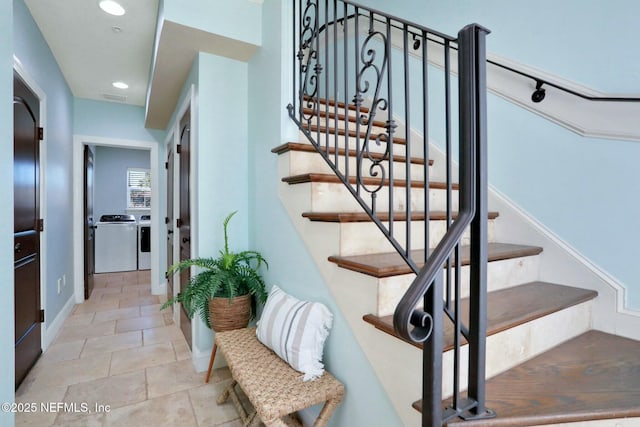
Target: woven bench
column 274, row 388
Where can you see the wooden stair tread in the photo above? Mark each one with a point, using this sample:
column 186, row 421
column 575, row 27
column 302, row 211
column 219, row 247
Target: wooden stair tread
column 594, row 376
column 333, row 103
column 343, row 217
column 391, row 263
column 341, row 116
column 351, row 133
column 334, row 179
column 296, row 146
column 507, row 308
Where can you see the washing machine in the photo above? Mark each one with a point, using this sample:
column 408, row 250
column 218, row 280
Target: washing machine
column 116, row 243
column 144, row 242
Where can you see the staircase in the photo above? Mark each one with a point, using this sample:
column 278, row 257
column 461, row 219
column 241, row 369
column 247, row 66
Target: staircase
column 457, row 325
column 546, row 365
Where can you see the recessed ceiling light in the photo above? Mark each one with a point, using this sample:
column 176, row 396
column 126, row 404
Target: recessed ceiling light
column 120, row 85
column 111, row 7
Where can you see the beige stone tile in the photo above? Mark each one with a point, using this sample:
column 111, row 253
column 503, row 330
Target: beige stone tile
column 120, row 296
column 146, row 310
column 234, row 423
column 220, row 374
column 138, row 288
column 111, row 343
column 101, row 292
column 37, row 396
column 90, row 420
column 95, row 306
column 208, row 412
column 78, row 332
column 181, row 349
column 73, row 371
column 79, row 319
column 142, row 357
column 145, row 293
column 166, row 411
column 131, row 302
column 140, row 323
column 112, row 392
column 172, row 377
column 119, row 313
column 168, row 317
column 161, row 334
column 60, row 351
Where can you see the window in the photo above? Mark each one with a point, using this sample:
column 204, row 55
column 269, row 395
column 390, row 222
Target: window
column 138, row 188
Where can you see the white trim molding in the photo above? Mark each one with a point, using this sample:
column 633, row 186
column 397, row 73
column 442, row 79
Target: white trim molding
column 157, row 286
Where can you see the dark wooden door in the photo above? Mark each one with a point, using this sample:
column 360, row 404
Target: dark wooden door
column 89, row 227
column 184, row 222
column 170, row 221
column 27, row 226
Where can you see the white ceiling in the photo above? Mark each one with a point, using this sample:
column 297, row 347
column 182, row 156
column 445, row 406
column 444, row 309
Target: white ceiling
column 91, row 54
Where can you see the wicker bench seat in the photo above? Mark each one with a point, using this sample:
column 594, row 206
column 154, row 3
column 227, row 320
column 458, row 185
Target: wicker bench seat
column 273, row 387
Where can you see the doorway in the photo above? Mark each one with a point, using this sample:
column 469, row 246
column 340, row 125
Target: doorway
column 169, row 219
column 184, row 221
column 27, row 228
column 89, row 226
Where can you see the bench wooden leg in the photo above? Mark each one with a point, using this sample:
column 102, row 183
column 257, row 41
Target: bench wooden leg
column 326, row 413
column 226, row 392
column 211, row 359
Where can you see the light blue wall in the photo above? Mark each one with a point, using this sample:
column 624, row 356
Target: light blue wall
column 110, row 183
column 238, row 20
column 573, row 185
column 222, row 152
column 575, row 39
column 273, row 234
column 36, row 58
column 7, row 332
column 112, row 120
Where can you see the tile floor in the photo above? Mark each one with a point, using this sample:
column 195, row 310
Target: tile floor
column 118, row 351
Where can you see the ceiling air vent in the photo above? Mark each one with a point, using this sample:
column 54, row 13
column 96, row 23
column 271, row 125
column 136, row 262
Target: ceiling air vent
column 116, row 98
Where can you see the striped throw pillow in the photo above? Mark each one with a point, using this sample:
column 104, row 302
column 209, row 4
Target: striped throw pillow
column 296, row 331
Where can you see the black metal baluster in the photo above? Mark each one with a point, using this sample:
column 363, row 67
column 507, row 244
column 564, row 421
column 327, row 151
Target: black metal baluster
column 335, row 84
column 390, row 125
column 425, row 142
column 432, row 358
column 448, row 150
column 407, row 136
column 346, row 88
column 357, row 100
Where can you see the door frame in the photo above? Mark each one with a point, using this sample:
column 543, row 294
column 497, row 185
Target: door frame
column 79, row 141
column 45, row 338
column 170, row 144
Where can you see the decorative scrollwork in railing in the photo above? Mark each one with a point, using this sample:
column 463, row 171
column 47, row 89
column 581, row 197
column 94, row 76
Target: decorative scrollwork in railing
column 373, row 70
column 310, row 67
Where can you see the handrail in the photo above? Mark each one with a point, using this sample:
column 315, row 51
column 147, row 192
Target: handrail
column 538, row 80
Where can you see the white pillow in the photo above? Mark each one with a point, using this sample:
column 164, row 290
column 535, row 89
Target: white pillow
column 296, row 331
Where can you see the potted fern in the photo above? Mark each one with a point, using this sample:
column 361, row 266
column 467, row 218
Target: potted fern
column 225, row 291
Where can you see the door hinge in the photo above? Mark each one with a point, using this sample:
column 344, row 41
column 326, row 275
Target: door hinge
column 40, row 134
column 178, row 223
column 40, row 225
column 166, row 220
column 166, row 165
column 41, row 316
column 179, row 148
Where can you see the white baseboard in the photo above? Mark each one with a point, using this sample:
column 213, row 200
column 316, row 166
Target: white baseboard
column 51, row 329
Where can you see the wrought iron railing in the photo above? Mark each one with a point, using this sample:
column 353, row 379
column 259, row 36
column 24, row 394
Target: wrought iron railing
column 370, row 107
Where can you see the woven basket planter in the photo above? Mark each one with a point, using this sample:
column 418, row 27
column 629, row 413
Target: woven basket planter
column 227, row 316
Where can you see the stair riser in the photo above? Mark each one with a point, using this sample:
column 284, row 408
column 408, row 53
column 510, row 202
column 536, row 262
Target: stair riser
column 500, row 275
column 361, row 238
column 330, row 197
column 516, row 345
column 398, row 149
column 301, row 162
column 375, row 130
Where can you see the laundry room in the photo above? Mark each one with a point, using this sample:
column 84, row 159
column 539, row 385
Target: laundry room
column 121, row 209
